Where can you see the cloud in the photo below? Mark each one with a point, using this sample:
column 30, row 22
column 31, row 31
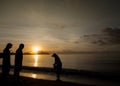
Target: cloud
column 76, row 42
column 113, row 35
column 108, row 36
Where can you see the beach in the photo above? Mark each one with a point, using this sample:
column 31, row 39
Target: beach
column 92, row 70
column 74, row 41
column 30, row 77
column 87, row 78
column 26, row 81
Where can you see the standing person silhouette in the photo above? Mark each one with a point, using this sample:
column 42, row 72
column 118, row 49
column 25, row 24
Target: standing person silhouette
column 18, row 62
column 57, row 65
column 6, row 61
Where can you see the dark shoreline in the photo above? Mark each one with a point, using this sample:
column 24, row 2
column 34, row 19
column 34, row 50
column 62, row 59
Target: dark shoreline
column 70, row 72
column 26, row 81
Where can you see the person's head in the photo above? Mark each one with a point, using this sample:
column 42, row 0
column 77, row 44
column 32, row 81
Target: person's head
column 9, row 45
column 21, row 46
column 54, row 55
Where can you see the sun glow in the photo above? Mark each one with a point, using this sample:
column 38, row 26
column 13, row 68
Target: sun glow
column 36, row 49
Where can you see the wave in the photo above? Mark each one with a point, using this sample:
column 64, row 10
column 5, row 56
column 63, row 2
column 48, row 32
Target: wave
column 51, row 70
column 48, row 69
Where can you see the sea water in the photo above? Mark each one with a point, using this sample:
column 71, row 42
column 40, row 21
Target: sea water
column 94, row 62
column 98, row 62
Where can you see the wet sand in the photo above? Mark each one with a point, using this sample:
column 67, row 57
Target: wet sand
column 35, row 78
column 26, row 81
column 50, row 80
column 81, row 80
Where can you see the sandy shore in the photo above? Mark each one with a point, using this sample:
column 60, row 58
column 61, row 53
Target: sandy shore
column 84, row 81
column 25, row 81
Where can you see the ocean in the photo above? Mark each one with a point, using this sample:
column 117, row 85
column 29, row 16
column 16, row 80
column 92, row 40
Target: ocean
column 99, row 62
column 40, row 66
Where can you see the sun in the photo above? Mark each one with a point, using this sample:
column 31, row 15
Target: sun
column 36, row 49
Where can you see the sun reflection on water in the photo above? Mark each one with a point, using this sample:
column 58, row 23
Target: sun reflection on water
column 34, row 76
column 35, row 60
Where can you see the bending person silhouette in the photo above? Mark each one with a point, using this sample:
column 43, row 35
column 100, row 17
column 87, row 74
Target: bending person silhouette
column 57, row 65
column 6, row 61
column 18, row 61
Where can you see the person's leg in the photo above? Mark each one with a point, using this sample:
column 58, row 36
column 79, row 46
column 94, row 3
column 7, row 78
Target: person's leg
column 16, row 75
column 58, row 75
column 5, row 73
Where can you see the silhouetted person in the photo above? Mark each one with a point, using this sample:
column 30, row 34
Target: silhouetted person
column 6, row 61
column 18, row 61
column 57, row 65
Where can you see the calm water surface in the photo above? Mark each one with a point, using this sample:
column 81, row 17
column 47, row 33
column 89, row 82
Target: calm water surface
column 94, row 62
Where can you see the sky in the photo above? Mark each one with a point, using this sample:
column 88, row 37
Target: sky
column 61, row 25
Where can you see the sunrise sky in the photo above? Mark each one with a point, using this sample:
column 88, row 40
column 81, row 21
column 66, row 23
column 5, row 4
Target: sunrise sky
column 60, row 25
